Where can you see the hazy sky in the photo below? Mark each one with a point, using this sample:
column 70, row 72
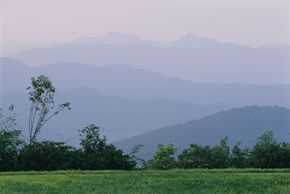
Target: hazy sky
column 250, row 22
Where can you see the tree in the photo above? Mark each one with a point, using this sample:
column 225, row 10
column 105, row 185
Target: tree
column 41, row 95
column 140, row 162
column 284, row 156
column 220, row 155
column 239, row 156
column 97, row 154
column 163, row 158
column 267, row 152
column 7, row 122
column 195, row 156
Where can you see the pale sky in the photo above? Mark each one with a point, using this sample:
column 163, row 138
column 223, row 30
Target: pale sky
column 248, row 22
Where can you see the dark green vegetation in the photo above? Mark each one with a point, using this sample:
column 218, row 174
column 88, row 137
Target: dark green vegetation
column 94, row 153
column 266, row 153
column 240, row 125
column 173, row 181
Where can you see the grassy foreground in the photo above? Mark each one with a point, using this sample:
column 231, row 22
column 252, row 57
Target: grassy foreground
column 173, row 181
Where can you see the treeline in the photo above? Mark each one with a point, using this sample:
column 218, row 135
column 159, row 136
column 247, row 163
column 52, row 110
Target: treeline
column 93, row 154
column 266, row 153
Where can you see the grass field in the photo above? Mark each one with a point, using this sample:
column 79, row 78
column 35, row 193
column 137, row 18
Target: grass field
column 173, row 181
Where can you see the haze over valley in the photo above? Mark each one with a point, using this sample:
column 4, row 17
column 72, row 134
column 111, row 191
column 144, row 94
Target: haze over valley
column 132, row 86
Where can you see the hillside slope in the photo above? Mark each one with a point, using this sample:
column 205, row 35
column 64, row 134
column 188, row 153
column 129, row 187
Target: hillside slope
column 240, row 124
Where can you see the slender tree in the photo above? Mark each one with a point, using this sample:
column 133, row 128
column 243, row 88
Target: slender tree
column 42, row 108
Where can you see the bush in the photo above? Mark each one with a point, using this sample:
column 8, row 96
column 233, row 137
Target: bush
column 163, row 158
column 9, row 149
column 48, row 155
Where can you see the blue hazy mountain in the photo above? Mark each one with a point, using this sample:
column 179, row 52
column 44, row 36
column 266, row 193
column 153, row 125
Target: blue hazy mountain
column 127, row 101
column 240, row 124
column 125, row 81
column 117, row 117
column 190, row 57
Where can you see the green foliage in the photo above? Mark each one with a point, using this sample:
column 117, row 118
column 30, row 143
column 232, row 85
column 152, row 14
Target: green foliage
column 97, row 154
column 163, row 158
column 239, row 156
column 220, row 155
column 48, row 155
column 268, row 153
column 9, row 149
column 197, row 156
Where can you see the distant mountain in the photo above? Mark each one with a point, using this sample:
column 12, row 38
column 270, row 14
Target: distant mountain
column 117, row 117
column 190, row 57
column 125, row 81
column 240, row 124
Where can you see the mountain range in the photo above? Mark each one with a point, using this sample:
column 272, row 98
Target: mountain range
column 191, row 57
column 129, row 82
column 131, row 86
column 117, row 117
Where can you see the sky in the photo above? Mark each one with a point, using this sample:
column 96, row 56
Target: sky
column 247, row 22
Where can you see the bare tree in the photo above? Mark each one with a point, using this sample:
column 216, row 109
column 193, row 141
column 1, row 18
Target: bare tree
column 42, row 108
column 7, row 122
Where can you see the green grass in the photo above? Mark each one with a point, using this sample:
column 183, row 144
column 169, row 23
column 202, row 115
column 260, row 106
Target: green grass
column 173, row 181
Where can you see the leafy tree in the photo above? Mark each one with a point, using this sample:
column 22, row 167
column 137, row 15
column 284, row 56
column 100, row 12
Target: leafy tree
column 220, row 155
column 97, row 154
column 267, row 152
column 195, row 156
column 239, row 156
column 163, row 158
column 41, row 95
column 284, row 156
